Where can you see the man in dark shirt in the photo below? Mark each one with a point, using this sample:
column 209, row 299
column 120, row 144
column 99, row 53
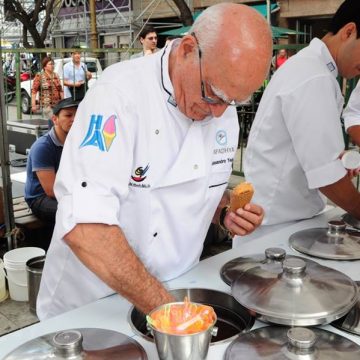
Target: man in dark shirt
column 43, row 162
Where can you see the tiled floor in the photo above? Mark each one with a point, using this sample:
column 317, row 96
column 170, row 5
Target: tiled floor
column 15, row 315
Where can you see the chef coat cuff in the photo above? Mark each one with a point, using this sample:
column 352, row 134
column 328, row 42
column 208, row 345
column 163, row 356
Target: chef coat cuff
column 326, row 175
column 89, row 205
column 351, row 121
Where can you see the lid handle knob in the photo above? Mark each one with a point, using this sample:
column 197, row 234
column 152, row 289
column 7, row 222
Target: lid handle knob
column 301, row 338
column 68, row 343
column 276, row 254
column 336, row 227
column 294, row 266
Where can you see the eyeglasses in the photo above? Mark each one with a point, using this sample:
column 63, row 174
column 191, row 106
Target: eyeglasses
column 220, row 98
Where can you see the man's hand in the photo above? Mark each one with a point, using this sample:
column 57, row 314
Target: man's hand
column 244, row 221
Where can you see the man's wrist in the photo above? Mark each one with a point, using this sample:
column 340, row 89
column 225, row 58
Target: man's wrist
column 222, row 216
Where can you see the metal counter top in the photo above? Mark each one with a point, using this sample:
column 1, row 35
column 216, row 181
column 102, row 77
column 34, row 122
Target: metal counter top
column 112, row 312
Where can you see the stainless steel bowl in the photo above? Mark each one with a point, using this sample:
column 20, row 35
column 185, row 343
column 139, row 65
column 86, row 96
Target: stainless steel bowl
column 233, row 318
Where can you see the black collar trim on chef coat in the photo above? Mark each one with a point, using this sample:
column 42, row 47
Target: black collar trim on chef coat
column 171, row 100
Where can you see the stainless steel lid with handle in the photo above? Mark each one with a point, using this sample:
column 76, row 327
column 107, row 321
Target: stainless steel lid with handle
column 236, row 267
column 296, row 292
column 80, row 344
column 283, row 343
column 335, row 242
column 351, row 321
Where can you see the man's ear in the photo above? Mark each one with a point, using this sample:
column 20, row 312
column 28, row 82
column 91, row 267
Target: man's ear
column 142, row 41
column 348, row 30
column 54, row 118
column 188, row 45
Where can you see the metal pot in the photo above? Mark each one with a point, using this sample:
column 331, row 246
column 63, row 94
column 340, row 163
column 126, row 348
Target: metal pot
column 295, row 292
column 232, row 318
column 80, row 344
column 351, row 321
column 283, row 343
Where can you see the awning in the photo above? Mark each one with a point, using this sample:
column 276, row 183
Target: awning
column 262, row 8
column 277, row 32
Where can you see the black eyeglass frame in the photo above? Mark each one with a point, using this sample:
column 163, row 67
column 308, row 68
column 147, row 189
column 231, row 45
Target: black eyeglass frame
column 204, row 97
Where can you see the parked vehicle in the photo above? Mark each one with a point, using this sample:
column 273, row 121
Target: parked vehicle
column 9, row 87
column 93, row 65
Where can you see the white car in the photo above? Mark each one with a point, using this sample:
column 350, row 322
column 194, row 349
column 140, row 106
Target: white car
column 93, row 65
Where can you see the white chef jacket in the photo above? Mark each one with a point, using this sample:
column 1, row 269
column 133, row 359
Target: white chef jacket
column 132, row 159
column 351, row 113
column 296, row 138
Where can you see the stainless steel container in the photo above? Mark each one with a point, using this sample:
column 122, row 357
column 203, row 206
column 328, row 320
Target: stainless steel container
column 182, row 347
column 232, row 318
column 283, row 343
column 296, row 292
column 34, row 268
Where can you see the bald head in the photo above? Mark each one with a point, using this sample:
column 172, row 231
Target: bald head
column 227, row 54
column 237, row 37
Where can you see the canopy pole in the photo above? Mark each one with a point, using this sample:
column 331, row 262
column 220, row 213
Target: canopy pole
column 5, row 168
column 268, row 11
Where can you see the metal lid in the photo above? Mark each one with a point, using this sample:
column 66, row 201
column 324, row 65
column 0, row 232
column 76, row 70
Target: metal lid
column 351, row 321
column 236, row 267
column 296, row 292
column 334, row 242
column 80, row 344
column 281, row 343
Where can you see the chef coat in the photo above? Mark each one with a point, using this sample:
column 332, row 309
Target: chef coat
column 132, row 159
column 351, row 113
column 296, row 138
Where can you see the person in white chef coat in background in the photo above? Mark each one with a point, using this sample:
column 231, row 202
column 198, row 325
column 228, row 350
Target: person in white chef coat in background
column 145, row 167
column 351, row 115
column 296, row 140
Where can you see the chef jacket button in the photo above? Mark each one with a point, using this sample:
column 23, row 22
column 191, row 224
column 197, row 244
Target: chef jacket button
column 196, row 166
column 84, row 184
column 155, row 234
column 157, row 132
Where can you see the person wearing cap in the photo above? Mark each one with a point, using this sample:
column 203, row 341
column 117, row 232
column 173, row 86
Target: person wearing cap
column 43, row 162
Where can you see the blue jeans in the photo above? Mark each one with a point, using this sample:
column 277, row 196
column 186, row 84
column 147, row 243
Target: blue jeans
column 44, row 207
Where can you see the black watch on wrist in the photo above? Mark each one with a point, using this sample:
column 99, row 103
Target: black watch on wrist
column 223, row 213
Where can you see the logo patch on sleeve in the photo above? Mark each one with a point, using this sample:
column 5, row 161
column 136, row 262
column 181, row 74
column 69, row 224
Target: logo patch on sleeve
column 99, row 135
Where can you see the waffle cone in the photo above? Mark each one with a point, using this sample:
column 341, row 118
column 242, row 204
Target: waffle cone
column 241, row 195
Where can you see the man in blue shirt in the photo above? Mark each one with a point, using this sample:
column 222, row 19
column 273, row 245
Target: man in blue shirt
column 75, row 76
column 43, row 162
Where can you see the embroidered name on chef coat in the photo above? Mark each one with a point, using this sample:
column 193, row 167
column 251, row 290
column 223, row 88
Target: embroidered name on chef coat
column 101, row 136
